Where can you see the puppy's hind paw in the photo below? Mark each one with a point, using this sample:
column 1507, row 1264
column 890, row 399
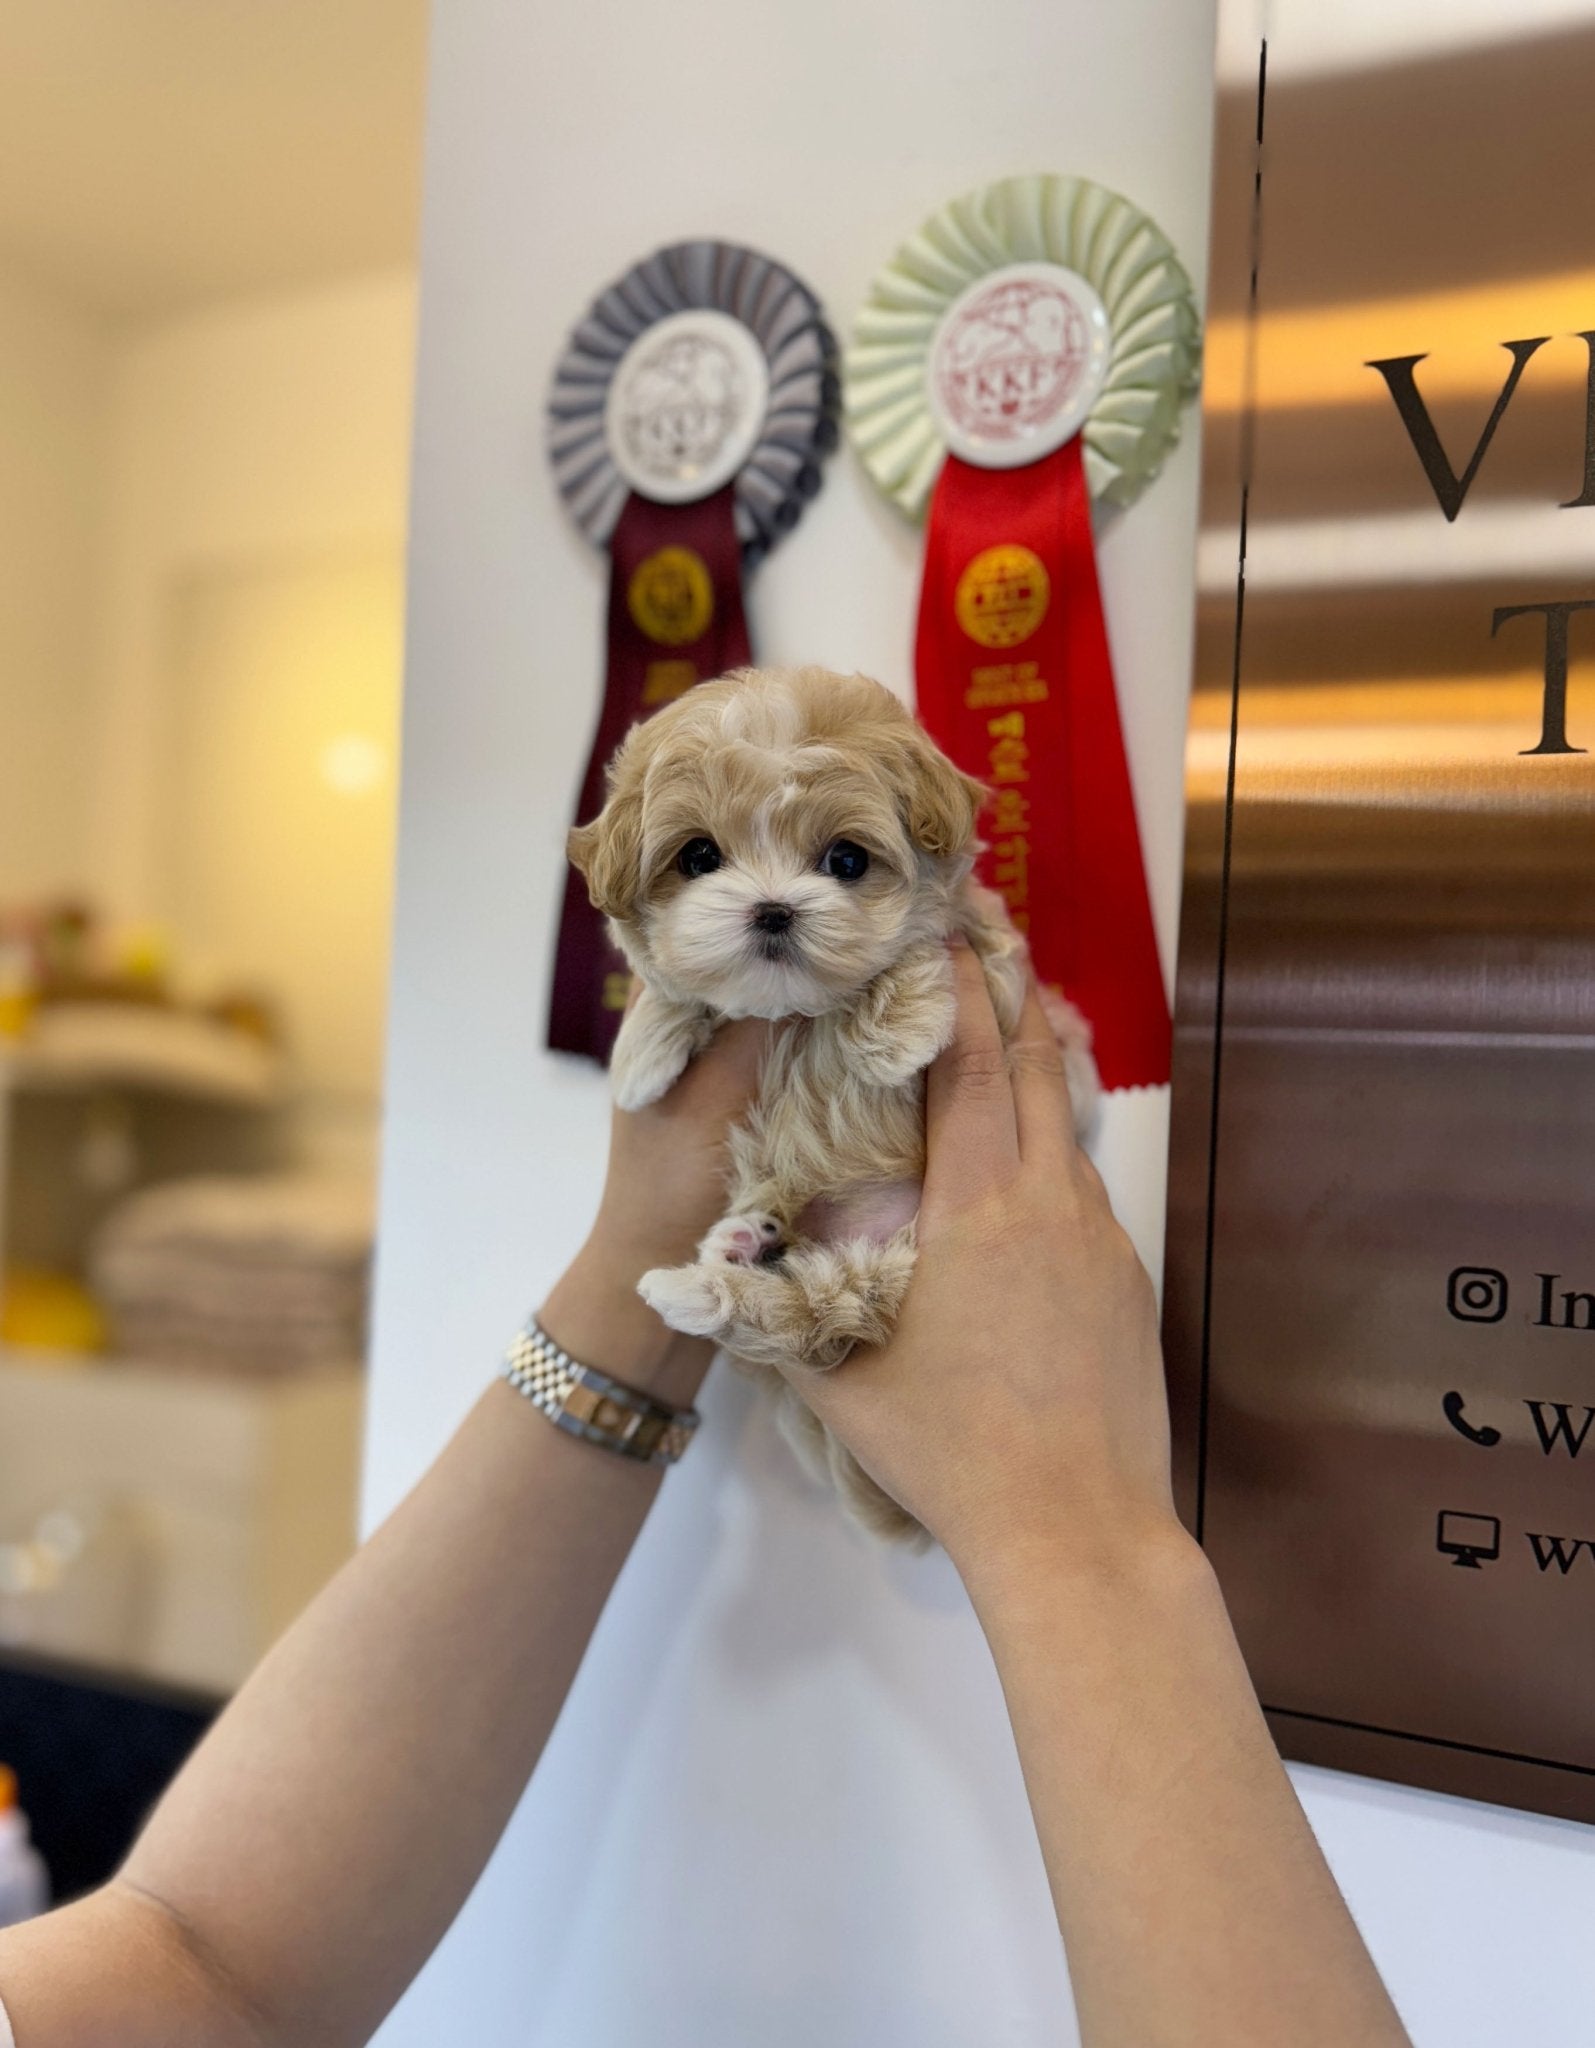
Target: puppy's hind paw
column 687, row 1298
column 752, row 1239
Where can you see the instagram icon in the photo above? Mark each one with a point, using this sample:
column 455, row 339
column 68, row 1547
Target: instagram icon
column 1476, row 1294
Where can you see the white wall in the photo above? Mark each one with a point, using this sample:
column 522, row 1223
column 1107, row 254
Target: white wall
column 55, row 370
column 782, row 1807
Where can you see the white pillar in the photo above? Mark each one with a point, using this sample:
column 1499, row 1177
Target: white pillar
column 782, row 1808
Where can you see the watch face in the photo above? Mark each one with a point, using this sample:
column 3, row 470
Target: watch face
column 1017, row 364
column 686, row 406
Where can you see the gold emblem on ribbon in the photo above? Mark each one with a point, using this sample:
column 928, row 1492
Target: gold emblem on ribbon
column 671, row 597
column 1002, row 596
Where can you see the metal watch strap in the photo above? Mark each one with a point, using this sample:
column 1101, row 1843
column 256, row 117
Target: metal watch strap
column 589, row 1404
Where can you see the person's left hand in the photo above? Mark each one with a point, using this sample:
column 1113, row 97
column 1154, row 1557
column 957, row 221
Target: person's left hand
column 665, row 1186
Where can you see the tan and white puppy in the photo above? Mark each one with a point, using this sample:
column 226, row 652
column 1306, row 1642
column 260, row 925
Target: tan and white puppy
column 791, row 844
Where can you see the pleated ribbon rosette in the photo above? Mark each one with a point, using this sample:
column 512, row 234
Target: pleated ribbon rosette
column 1030, row 349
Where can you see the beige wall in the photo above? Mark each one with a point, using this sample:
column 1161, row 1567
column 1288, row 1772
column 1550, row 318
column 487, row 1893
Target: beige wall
column 278, row 796
column 248, row 438
column 55, row 374
column 249, row 618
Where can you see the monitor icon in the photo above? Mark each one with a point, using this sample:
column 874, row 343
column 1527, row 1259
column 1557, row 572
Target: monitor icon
column 1468, row 1540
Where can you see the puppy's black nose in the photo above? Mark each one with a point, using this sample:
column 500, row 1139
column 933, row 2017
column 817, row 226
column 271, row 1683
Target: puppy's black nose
column 772, row 917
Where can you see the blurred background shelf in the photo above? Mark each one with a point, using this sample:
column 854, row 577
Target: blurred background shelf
column 174, row 1520
column 81, row 1046
column 99, row 1098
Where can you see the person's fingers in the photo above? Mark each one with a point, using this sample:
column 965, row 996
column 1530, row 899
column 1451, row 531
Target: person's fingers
column 970, row 1135
column 1042, row 1108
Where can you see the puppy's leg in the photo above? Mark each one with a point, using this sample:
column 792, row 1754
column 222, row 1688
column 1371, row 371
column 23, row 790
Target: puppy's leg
column 1073, row 1034
column 749, row 1309
column 1001, row 952
column 833, row 1464
column 902, row 1020
column 657, row 1038
column 809, row 1308
column 1006, row 960
column 853, row 1293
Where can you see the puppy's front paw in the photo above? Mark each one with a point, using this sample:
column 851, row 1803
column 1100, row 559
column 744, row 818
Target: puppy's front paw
column 686, row 1298
column 904, row 1021
column 641, row 1080
column 752, row 1239
column 657, row 1038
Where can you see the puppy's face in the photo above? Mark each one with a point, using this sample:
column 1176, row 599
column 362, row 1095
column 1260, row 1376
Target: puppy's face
column 773, row 841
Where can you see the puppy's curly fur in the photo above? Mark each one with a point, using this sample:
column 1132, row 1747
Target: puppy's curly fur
column 790, row 844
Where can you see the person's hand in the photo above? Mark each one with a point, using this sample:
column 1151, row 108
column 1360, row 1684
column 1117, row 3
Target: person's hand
column 665, row 1185
column 1019, row 1405
column 666, row 1180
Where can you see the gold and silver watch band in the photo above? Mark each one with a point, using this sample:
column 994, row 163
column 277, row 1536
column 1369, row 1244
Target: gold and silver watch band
column 589, row 1404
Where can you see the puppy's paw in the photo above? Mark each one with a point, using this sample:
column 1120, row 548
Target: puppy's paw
column 1073, row 1034
column 748, row 1240
column 1085, row 1089
column 904, row 1020
column 657, row 1038
column 687, row 1299
column 641, row 1080
column 925, row 1029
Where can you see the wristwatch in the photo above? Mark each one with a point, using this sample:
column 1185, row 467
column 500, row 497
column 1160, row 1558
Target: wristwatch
column 588, row 1403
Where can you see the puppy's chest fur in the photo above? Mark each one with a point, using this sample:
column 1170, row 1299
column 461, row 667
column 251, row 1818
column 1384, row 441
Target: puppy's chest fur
column 835, row 1143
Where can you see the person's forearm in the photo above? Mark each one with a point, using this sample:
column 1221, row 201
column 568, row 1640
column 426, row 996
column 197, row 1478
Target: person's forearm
column 1195, row 1906
column 329, row 1828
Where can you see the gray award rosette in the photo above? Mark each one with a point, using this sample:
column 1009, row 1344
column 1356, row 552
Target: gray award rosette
column 705, row 398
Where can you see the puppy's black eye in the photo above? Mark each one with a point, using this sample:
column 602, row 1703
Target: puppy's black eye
column 843, row 859
column 698, row 857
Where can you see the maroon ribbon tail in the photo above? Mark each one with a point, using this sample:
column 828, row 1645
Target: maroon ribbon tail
column 675, row 618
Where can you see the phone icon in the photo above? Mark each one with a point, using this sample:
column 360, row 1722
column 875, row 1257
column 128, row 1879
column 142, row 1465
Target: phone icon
column 1452, row 1405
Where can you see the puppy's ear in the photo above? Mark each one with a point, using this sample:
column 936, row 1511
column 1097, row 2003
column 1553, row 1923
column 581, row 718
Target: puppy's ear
column 941, row 803
column 608, row 851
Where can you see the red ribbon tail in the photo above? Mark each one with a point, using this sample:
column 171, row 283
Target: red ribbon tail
column 1016, row 682
column 1118, row 973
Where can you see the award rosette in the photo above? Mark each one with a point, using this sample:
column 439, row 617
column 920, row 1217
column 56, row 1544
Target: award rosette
column 688, row 418
column 1028, row 350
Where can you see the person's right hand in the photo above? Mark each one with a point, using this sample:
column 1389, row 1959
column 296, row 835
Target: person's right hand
column 1019, row 1405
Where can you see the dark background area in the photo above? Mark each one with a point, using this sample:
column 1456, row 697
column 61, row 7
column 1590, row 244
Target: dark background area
column 91, row 1757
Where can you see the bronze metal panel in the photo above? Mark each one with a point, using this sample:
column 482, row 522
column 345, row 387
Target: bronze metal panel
column 1384, row 1089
